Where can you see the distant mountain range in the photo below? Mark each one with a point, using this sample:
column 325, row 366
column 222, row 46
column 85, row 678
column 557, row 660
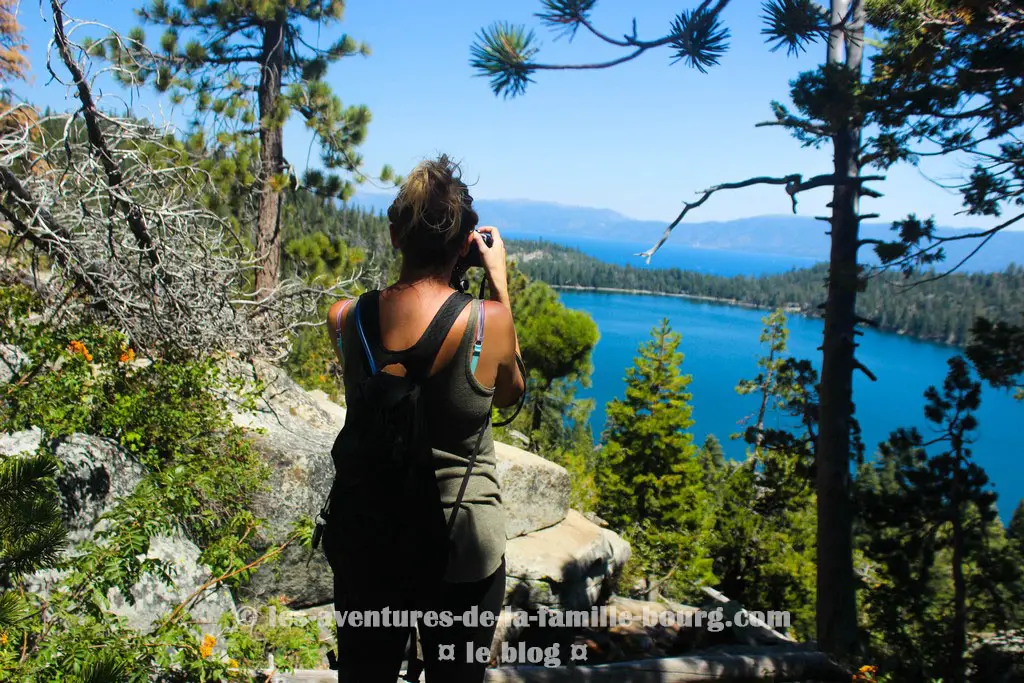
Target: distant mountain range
column 796, row 236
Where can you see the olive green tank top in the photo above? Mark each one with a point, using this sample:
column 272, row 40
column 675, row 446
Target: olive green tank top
column 457, row 406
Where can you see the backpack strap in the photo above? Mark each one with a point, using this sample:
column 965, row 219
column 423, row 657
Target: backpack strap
column 362, row 337
column 469, row 471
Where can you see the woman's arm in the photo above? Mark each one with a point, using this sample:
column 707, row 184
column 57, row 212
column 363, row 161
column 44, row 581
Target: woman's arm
column 509, row 384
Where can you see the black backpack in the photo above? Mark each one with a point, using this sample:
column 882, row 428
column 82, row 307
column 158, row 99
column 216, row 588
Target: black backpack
column 383, row 526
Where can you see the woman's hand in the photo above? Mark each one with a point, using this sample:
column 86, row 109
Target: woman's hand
column 493, row 258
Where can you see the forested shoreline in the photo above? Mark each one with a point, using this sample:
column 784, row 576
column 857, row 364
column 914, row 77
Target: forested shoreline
column 941, row 311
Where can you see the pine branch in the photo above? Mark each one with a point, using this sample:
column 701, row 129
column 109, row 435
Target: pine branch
column 505, row 52
column 906, row 257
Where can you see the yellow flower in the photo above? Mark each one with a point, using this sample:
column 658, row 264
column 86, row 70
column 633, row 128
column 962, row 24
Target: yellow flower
column 232, row 663
column 206, row 649
column 127, row 355
column 868, row 669
column 323, row 378
column 3, row 638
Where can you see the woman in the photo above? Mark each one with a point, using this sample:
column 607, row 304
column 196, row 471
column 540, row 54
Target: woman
column 433, row 224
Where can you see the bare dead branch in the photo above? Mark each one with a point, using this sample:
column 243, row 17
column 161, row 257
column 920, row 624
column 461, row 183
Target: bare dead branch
column 794, row 184
column 133, row 213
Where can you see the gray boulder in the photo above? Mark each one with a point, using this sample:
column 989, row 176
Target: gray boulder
column 152, row 597
column 570, row 565
column 534, row 491
column 95, row 473
column 16, row 443
column 294, row 434
column 12, row 361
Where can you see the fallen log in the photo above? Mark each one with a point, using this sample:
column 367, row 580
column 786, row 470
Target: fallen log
column 753, row 630
column 749, row 667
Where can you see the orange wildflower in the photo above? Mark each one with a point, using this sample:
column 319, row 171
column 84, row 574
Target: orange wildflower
column 80, row 348
column 206, row 648
column 127, row 355
column 3, row 638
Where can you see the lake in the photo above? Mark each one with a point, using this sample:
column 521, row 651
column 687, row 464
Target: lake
column 721, row 346
column 709, row 261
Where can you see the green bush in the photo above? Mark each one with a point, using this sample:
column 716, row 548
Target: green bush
column 201, row 473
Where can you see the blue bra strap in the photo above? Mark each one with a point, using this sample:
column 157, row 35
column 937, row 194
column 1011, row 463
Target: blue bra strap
column 362, row 338
column 478, row 342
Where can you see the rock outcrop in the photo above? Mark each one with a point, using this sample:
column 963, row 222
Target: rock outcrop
column 294, row 434
column 95, row 473
column 555, row 556
column 534, row 491
column 569, row 565
column 17, row 443
column 152, row 598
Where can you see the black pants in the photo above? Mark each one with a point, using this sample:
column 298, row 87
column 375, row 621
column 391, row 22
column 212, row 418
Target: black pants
column 372, row 654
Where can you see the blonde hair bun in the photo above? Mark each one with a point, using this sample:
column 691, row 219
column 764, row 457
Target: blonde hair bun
column 433, row 208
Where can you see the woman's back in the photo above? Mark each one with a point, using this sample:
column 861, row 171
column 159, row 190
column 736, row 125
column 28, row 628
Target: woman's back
column 458, row 407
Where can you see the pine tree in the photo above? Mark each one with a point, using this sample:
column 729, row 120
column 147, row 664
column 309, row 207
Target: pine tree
column 764, row 534
column 921, row 507
column 1015, row 530
column 829, row 110
column 947, row 79
column 712, row 459
column 650, row 480
column 774, row 336
column 997, row 352
column 557, row 343
column 249, row 65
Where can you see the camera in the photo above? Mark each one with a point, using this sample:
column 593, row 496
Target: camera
column 473, row 258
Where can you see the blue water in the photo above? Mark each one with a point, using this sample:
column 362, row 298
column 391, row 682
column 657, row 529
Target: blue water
column 709, row 261
column 721, row 347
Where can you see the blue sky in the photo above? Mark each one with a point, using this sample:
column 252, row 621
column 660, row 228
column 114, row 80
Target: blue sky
column 639, row 138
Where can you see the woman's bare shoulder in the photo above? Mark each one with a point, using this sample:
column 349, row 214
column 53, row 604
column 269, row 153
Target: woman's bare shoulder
column 334, row 323
column 496, row 314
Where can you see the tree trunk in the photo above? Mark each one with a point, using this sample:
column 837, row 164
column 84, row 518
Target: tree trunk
column 538, row 414
column 959, row 644
column 535, row 421
column 836, row 602
column 959, row 626
column 766, row 388
column 268, row 226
